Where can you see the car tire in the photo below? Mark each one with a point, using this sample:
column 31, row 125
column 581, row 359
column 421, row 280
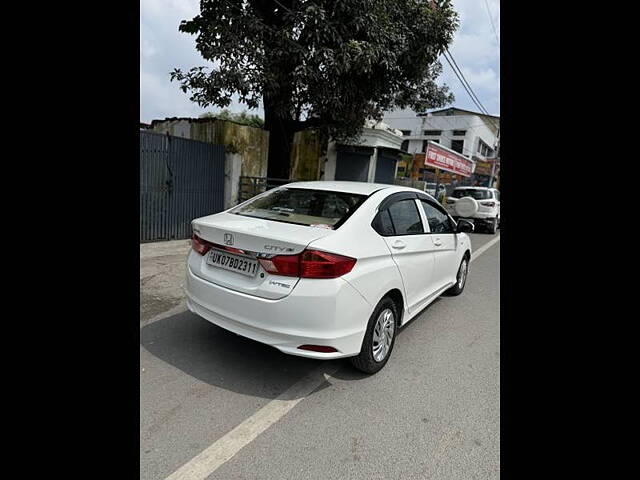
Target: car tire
column 370, row 360
column 461, row 278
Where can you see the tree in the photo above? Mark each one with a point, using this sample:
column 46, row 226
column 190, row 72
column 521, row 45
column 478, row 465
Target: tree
column 243, row 117
column 324, row 64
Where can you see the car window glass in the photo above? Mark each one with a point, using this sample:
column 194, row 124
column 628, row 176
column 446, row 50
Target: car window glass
column 438, row 221
column 471, row 192
column 382, row 224
column 405, row 217
column 302, row 206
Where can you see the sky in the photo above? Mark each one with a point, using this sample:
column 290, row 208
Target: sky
column 475, row 49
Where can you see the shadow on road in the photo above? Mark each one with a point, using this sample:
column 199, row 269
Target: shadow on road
column 221, row 358
column 410, row 323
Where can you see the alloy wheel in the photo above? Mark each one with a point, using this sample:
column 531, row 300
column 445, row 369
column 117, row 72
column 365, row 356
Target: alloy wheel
column 383, row 334
column 462, row 273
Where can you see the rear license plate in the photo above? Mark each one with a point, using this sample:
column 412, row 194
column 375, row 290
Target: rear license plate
column 233, row 263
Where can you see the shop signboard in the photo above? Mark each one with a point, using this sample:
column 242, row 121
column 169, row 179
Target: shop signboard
column 448, row 160
column 483, row 168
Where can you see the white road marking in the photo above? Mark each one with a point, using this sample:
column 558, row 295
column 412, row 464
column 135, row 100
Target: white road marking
column 224, row 449
column 475, row 254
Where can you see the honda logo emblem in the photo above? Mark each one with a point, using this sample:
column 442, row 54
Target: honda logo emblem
column 228, row 239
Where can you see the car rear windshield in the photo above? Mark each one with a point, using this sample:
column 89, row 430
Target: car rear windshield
column 317, row 208
column 472, row 192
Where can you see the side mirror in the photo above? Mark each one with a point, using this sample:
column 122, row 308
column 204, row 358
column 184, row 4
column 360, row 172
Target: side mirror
column 464, row 226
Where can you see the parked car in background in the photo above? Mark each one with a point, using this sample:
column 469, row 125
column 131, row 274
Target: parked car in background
column 480, row 205
column 326, row 269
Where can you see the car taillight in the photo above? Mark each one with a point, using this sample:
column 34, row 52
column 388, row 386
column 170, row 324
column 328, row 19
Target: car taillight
column 199, row 245
column 309, row 264
column 488, row 204
column 316, row 264
column 287, row 265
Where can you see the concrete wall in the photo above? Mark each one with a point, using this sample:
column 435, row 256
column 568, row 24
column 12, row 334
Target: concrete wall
column 232, row 167
column 328, row 171
column 308, row 154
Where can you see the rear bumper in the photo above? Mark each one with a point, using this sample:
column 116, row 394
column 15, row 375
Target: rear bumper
column 328, row 312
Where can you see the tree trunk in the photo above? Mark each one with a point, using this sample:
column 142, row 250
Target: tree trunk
column 281, row 133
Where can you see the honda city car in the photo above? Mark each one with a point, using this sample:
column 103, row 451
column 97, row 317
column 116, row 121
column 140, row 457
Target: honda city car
column 326, row 269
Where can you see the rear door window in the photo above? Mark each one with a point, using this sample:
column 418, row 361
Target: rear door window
column 406, row 218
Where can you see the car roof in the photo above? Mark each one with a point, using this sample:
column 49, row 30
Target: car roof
column 361, row 188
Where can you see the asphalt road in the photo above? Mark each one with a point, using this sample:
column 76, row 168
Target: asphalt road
column 432, row 412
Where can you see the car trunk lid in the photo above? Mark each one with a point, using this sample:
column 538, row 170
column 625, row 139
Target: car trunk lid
column 248, row 238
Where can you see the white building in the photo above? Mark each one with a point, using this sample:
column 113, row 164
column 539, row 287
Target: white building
column 472, row 134
column 373, row 157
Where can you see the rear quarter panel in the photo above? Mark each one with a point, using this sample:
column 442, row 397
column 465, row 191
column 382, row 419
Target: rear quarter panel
column 375, row 272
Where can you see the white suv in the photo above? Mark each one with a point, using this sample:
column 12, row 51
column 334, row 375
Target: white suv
column 479, row 205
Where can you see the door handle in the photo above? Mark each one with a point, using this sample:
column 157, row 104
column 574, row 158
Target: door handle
column 399, row 244
column 437, row 242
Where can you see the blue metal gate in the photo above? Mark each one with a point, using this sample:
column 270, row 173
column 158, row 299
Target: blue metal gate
column 180, row 180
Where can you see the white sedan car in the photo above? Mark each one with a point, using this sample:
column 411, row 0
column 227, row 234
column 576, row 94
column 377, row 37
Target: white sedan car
column 326, row 269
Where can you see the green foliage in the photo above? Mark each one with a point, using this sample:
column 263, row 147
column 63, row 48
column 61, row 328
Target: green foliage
column 325, row 64
column 243, row 117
